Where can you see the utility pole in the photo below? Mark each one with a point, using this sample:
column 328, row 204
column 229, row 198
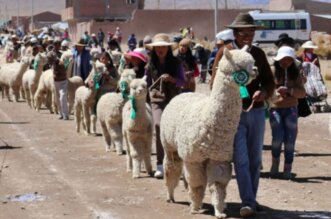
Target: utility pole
column 32, row 14
column 18, row 12
column 216, row 16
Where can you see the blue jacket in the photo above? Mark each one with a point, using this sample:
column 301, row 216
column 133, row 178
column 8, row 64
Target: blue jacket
column 85, row 65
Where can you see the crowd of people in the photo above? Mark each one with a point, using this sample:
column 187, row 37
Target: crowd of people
column 170, row 73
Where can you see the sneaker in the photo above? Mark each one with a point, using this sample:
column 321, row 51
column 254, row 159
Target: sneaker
column 66, row 118
column 246, row 211
column 159, row 172
column 287, row 175
column 61, row 117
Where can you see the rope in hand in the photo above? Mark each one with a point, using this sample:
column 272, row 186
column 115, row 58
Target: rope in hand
column 155, row 82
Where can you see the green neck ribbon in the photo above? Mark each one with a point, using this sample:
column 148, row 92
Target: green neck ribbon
column 241, row 77
column 134, row 108
column 66, row 64
column 123, row 89
column 96, row 80
column 35, row 64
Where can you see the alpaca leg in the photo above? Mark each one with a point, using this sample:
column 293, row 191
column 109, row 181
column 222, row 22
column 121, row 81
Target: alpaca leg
column 94, row 123
column 22, row 93
column 116, row 136
column 87, row 119
column 106, row 135
column 128, row 153
column 28, row 97
column 78, row 113
column 32, row 93
column 147, row 159
column 7, row 92
column 219, row 175
column 48, row 102
column 16, row 92
column 136, row 160
column 55, row 106
column 197, row 180
column 173, row 166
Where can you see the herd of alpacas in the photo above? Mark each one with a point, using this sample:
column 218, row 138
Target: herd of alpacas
column 197, row 130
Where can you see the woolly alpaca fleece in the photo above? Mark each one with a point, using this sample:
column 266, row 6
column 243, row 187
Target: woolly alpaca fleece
column 85, row 99
column 31, row 78
column 109, row 111
column 11, row 77
column 199, row 130
column 137, row 128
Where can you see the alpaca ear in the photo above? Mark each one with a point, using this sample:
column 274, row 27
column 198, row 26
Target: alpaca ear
column 145, row 78
column 227, row 54
column 245, row 48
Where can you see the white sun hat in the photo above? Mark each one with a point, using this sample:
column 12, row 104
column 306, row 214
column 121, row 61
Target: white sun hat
column 225, row 35
column 285, row 51
column 309, row 45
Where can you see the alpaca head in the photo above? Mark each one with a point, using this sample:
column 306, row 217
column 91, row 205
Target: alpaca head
column 67, row 56
column 238, row 66
column 126, row 77
column 138, row 88
column 41, row 59
column 98, row 68
column 95, row 53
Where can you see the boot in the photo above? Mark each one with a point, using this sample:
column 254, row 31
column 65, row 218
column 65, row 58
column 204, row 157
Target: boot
column 274, row 170
column 287, row 171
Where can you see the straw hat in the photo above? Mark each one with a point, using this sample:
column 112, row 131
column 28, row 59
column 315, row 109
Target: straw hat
column 285, row 51
column 309, row 45
column 139, row 53
column 161, row 39
column 81, row 42
column 243, row 20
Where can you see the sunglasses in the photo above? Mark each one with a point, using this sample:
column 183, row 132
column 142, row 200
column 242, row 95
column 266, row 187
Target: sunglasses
column 246, row 34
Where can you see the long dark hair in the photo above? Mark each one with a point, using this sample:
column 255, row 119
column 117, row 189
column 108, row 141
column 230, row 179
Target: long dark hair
column 293, row 71
column 171, row 61
column 188, row 59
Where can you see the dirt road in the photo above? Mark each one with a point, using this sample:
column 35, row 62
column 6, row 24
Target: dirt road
column 50, row 171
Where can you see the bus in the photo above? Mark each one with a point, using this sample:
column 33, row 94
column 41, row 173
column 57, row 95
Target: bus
column 295, row 23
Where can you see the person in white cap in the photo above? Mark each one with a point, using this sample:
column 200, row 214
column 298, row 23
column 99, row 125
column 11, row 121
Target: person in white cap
column 308, row 54
column 283, row 111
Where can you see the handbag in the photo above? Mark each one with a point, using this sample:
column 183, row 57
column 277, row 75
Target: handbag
column 303, row 107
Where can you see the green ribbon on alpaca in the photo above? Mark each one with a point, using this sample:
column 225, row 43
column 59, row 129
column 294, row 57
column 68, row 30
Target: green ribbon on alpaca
column 66, row 63
column 241, row 77
column 134, row 108
column 123, row 89
column 96, row 80
column 35, row 64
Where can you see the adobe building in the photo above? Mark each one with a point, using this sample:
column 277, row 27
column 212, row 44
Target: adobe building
column 130, row 16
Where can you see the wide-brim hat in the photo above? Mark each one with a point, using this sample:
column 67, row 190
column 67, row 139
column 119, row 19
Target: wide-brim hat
column 284, row 38
column 244, row 20
column 161, row 39
column 309, row 45
column 81, row 42
column 138, row 53
column 285, row 51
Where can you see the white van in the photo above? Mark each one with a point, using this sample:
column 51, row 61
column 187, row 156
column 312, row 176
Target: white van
column 295, row 23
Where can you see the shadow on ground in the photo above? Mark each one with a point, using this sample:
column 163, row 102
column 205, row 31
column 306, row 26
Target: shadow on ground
column 264, row 212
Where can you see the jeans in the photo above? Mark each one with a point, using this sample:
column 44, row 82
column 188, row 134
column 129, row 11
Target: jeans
column 247, row 155
column 284, row 124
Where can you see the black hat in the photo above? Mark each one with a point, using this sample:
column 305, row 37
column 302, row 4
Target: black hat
column 243, row 20
column 284, row 38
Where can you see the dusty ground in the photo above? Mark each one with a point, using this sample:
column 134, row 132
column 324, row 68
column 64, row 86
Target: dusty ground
column 50, row 171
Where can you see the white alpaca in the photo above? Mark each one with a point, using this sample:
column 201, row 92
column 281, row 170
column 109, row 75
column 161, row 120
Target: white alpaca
column 198, row 130
column 137, row 128
column 67, row 60
column 46, row 92
column 85, row 99
column 11, row 77
column 73, row 84
column 109, row 111
column 31, row 78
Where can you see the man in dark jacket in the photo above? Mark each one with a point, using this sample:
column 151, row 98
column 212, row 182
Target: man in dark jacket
column 248, row 142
